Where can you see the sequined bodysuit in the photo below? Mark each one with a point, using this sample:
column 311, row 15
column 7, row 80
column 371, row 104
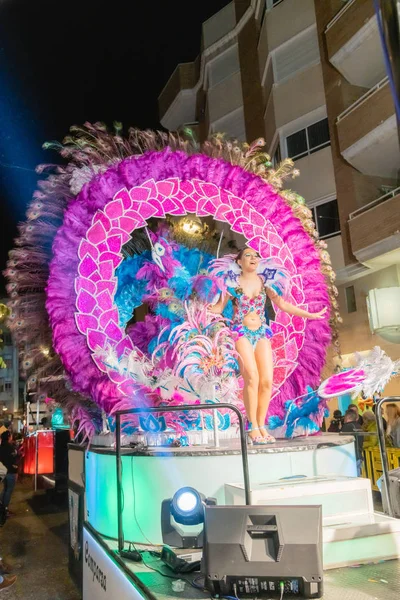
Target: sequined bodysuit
column 243, row 305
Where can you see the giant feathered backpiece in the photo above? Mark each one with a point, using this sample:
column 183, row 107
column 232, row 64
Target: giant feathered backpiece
column 69, row 276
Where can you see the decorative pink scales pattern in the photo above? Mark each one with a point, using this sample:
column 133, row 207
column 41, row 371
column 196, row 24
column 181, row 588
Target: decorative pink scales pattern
column 100, row 254
column 87, row 249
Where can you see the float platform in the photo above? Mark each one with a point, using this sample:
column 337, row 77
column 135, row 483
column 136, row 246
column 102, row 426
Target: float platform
column 136, row 581
column 317, row 470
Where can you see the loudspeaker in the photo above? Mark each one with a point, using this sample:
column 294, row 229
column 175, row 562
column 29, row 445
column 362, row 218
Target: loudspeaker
column 263, row 550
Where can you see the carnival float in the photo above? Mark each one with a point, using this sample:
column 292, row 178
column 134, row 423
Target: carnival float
column 127, row 247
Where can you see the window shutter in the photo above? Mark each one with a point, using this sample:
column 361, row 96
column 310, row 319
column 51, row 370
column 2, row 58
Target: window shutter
column 232, row 124
column 224, row 66
column 296, row 54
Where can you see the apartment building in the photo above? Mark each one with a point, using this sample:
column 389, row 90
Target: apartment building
column 11, row 391
column 309, row 76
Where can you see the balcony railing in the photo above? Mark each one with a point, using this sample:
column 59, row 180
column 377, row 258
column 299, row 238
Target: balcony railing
column 374, row 228
column 339, row 14
column 363, row 99
column 374, row 203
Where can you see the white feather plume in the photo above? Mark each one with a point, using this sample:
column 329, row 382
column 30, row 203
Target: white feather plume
column 379, row 368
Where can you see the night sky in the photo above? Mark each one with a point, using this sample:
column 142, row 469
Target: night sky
column 63, row 63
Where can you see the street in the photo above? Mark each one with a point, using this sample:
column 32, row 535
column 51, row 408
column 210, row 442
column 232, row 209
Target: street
column 35, row 543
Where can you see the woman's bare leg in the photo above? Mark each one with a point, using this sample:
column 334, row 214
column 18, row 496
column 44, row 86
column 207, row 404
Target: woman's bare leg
column 263, row 356
column 249, row 372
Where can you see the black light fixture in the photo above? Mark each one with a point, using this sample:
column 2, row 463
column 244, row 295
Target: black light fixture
column 185, row 508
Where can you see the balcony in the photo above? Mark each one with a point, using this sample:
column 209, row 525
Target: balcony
column 225, row 97
column 367, row 133
column 307, row 86
column 375, row 231
column 284, row 22
column 177, row 101
column 353, row 43
column 219, row 25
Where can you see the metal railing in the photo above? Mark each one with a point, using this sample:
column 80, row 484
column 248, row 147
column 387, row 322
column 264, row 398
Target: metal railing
column 380, row 433
column 363, row 98
column 182, row 408
column 374, row 203
column 382, row 448
column 339, row 14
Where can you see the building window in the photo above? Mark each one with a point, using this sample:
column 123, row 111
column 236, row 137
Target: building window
column 9, row 362
column 6, row 337
column 326, row 218
column 276, row 157
column 351, row 299
column 8, row 386
column 308, row 140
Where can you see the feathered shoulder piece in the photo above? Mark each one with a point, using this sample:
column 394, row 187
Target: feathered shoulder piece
column 227, row 269
column 273, row 275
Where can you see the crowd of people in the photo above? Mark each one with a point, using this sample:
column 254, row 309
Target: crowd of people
column 353, row 421
column 10, row 454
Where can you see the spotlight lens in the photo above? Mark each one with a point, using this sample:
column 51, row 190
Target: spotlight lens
column 186, row 502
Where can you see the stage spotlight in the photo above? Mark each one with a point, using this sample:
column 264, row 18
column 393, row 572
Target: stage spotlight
column 186, row 501
column 185, row 508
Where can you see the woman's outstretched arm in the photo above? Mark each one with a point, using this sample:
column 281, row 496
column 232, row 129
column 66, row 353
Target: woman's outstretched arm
column 289, row 308
column 219, row 306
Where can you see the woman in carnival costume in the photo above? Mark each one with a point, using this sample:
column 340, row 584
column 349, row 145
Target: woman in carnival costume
column 250, row 280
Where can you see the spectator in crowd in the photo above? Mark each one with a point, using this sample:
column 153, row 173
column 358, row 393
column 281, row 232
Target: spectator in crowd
column 5, row 426
column 6, row 582
column 393, row 430
column 336, row 423
column 20, row 446
column 370, row 441
column 371, row 426
column 383, row 418
column 351, row 425
column 354, row 407
column 9, row 458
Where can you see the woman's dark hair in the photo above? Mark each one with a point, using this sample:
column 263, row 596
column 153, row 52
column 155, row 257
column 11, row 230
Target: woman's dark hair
column 240, row 254
column 5, row 436
column 385, row 425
